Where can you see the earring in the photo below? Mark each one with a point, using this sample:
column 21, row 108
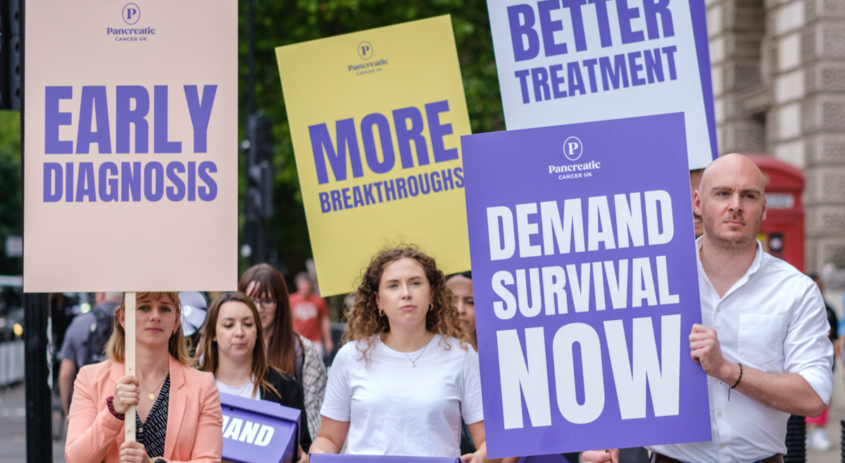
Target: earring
column 380, row 313
column 431, row 306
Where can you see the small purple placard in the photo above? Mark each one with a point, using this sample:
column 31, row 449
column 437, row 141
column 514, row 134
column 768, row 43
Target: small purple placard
column 586, row 286
column 323, row 458
column 544, row 459
column 258, row 431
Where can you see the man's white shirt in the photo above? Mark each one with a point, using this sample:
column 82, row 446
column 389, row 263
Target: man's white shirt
column 773, row 320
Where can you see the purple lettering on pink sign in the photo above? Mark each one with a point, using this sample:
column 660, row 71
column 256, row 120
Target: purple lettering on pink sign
column 586, row 286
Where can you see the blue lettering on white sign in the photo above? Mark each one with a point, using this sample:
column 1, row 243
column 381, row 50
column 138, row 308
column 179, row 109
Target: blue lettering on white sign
column 532, row 29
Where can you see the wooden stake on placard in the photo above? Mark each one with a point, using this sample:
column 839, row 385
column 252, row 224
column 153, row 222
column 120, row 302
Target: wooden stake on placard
column 129, row 359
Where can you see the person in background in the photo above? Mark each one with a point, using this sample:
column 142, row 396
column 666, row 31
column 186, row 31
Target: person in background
column 407, row 376
column 460, row 284
column 290, row 353
column 764, row 332
column 178, row 416
column 694, row 183
column 85, row 341
column 816, row 437
column 311, row 314
column 231, row 349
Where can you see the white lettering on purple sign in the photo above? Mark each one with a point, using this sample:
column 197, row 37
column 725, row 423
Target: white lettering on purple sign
column 638, row 282
column 247, row 431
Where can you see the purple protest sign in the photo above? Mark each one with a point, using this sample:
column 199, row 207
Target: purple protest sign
column 556, row 458
column 585, row 285
column 323, row 458
column 258, row 431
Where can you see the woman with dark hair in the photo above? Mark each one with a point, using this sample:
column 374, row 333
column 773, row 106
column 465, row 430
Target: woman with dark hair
column 178, row 414
column 290, row 353
column 461, row 286
column 407, row 375
column 231, row 349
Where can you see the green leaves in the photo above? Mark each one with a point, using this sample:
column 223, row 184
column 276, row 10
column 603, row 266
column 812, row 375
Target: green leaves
column 11, row 199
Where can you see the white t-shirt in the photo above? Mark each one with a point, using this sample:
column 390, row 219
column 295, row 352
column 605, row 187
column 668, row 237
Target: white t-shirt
column 244, row 391
column 397, row 409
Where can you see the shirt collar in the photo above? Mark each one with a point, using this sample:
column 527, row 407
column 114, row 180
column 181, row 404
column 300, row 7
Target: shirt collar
column 755, row 265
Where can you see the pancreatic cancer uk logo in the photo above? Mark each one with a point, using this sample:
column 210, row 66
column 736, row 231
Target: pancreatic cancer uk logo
column 365, row 52
column 131, row 13
column 573, row 149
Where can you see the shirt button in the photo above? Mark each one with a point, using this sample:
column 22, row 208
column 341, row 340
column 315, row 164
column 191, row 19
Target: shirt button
column 719, row 414
column 140, row 429
column 721, row 447
column 718, row 309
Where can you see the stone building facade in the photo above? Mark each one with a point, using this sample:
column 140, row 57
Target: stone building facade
column 779, row 87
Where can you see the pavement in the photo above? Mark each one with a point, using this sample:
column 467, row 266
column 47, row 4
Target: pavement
column 13, row 428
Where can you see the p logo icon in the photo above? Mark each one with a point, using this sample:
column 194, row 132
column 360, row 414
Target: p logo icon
column 131, row 13
column 573, row 148
column 365, row 50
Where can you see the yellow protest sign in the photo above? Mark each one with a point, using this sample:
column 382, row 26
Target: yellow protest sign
column 376, row 119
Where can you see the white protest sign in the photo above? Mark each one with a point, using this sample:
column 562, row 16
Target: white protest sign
column 571, row 61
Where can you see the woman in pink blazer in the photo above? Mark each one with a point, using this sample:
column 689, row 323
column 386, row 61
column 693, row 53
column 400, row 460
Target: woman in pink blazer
column 178, row 416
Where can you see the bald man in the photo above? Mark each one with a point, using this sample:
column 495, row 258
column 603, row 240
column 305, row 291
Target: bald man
column 763, row 338
column 694, row 184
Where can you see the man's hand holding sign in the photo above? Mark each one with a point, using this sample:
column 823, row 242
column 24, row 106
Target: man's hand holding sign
column 776, row 359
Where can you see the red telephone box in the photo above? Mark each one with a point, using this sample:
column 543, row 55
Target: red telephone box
column 782, row 233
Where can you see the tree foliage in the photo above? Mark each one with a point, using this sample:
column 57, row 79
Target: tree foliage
column 11, row 196
column 283, row 23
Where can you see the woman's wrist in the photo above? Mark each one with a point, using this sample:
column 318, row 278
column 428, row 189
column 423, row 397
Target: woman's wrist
column 320, row 445
column 110, row 405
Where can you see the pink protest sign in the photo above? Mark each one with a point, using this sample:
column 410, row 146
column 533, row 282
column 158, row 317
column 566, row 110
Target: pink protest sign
column 130, row 146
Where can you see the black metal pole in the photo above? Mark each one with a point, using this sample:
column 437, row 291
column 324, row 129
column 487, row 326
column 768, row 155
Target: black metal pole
column 251, row 57
column 36, row 308
column 252, row 226
column 39, row 405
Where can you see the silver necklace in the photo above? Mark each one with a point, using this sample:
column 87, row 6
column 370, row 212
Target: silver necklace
column 414, row 361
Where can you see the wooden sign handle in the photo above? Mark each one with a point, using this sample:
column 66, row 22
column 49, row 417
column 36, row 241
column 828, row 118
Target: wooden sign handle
column 129, row 359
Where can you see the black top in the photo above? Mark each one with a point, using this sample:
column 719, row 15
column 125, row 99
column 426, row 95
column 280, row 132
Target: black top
column 833, row 320
column 290, row 395
column 152, row 432
column 467, row 445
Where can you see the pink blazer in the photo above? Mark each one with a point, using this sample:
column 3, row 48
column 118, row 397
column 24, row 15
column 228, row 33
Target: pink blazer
column 194, row 418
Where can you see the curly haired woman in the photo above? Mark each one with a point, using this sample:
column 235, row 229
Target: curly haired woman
column 407, row 375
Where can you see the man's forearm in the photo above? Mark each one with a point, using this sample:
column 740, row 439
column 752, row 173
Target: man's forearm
column 65, row 385
column 327, row 330
column 787, row 392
